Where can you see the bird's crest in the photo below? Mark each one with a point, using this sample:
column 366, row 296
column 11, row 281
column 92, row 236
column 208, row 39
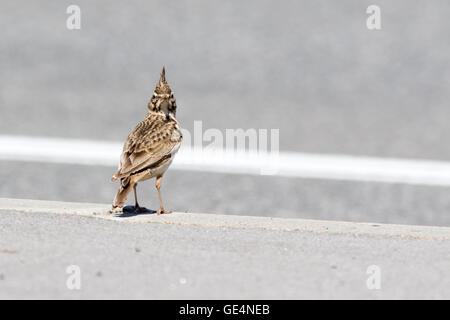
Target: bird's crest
column 163, row 87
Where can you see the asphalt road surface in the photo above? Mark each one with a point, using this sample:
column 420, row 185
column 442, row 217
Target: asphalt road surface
column 161, row 261
column 311, row 69
column 237, row 194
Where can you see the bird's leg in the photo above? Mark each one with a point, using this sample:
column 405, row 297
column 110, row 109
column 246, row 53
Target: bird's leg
column 161, row 207
column 137, row 208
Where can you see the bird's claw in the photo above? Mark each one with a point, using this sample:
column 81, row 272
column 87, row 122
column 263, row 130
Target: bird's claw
column 115, row 209
column 162, row 211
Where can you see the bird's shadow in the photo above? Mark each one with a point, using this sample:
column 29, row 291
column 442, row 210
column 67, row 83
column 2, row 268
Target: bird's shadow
column 130, row 211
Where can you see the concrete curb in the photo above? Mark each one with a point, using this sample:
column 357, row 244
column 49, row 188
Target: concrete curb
column 101, row 211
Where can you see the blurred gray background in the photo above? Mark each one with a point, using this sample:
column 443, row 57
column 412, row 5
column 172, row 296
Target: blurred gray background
column 310, row 68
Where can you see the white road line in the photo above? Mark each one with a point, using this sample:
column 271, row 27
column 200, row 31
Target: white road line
column 287, row 164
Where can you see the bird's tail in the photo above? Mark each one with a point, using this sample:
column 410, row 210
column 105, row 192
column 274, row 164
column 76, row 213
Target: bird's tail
column 114, row 177
column 122, row 194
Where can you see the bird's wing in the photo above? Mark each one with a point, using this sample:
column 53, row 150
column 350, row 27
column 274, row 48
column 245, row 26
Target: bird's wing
column 152, row 139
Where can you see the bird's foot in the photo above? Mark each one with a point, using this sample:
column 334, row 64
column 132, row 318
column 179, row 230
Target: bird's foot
column 115, row 209
column 162, row 211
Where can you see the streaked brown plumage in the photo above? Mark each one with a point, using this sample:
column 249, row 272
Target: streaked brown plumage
column 150, row 147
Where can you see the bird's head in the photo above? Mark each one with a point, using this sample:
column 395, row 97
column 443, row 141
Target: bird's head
column 163, row 99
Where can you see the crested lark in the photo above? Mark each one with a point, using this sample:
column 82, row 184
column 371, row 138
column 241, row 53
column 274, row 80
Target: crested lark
column 150, row 147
